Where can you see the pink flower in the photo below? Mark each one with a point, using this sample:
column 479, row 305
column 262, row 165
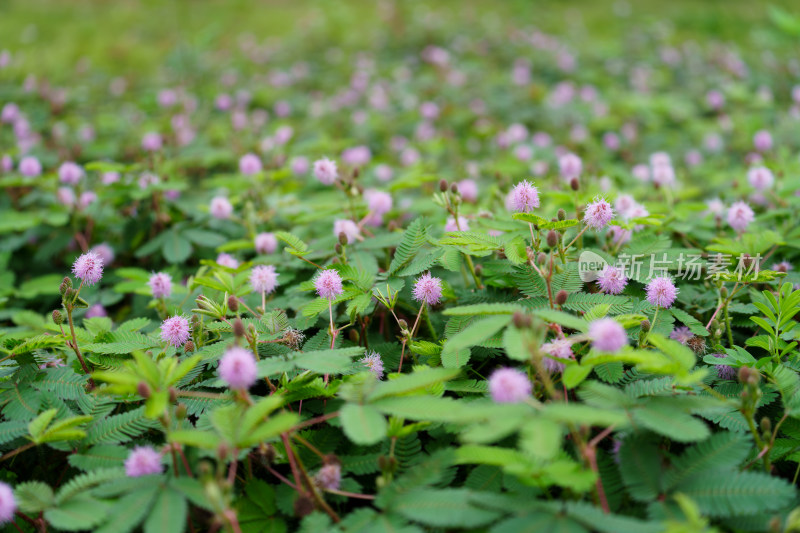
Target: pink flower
column 65, row 196
column 88, row 268
column 641, row 172
column 6, row 163
column 151, row 142
column 161, row 285
column 175, row 331
column 570, row 166
column 378, row 202
column 715, row 99
column 374, row 363
column 783, row 266
column 348, row 227
column 452, row 225
column 428, row 289
column 220, row 207
column 70, row 173
column 97, row 310
column 325, row 171
column 509, row 385
column 662, row 292
column 524, row 197
column 356, row 156
column 660, row 159
column 249, row 164
column 468, row 190
column 619, row 235
column 558, row 348
column 762, row 141
column 329, row 284
column 681, row 334
column 238, row 368
column 612, row 280
column 299, row 165
column 383, row 172
column 740, row 215
column 724, row 371
column 147, row 179
column 329, row 476
column 8, row 504
column 760, row 178
column 607, row 335
column 283, row 134
column 715, row 207
column 110, row 177
column 663, row 175
column 598, row 213
column 10, row 113
column 105, row 252
column 263, row 278
column 266, row 243
column 143, row 461
column 227, row 260
column 87, row 198
column 30, row 167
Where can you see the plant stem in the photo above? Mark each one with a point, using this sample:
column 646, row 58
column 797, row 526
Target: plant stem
column 75, row 348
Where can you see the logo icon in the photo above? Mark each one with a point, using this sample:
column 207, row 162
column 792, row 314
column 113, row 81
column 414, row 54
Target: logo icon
column 589, row 265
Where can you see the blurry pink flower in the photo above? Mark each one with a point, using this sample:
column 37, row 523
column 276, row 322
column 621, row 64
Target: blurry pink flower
column 409, row 156
column 715, row 99
column 151, row 142
column 266, row 243
column 87, row 198
column 167, row 97
column 378, row 202
column 523, row 152
column 557, row 348
column 264, row 278
column 283, row 135
column 30, row 167
column 452, row 225
column 65, row 196
column 238, row 368
column 227, row 260
column 760, row 178
column 143, row 461
column 663, row 175
column 10, row 113
column 468, row 190
column 325, row 171
column 249, row 164
column 428, row 289
column 570, row 166
column 740, row 215
column 220, row 208
column 105, row 252
column 641, row 173
column 97, row 310
column 110, row 177
column 282, row 108
column 607, row 335
column 681, row 334
column 160, row 285
column 6, row 164
column 348, row 227
column 509, row 385
column 8, row 504
column 70, row 173
column 661, row 292
column 762, row 141
column 357, row 156
column 328, row 284
column 611, row 141
column 383, row 172
column 299, row 165
column 329, row 476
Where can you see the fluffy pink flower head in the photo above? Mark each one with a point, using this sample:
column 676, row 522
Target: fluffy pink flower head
column 662, row 292
column 152, row 142
column 329, row 476
column 87, row 198
column 220, row 207
column 740, row 215
column 641, row 172
column 88, row 268
column 524, row 197
column 374, row 363
column 378, row 202
column 428, row 289
column 598, row 213
column 227, row 260
column 328, row 284
column 509, row 385
column 175, row 331
column 762, row 141
column 70, row 173
column 612, row 280
column 348, row 227
column 664, row 175
column 30, row 167
column 715, row 99
column 8, row 504
column 356, row 156
column 715, row 207
column 161, row 285
column 384, row 172
column 452, row 225
column 6, row 163
column 10, row 113
column 724, row 371
column 97, row 310
column 105, row 252
column 783, row 266
column 249, row 164
column 65, row 196
column 468, row 190
column 325, row 171
column 299, row 165
column 266, row 243
column 681, row 334
column 238, row 368
column 570, row 166
column 760, row 178
column 143, row 461
column 263, row 278
column 607, row 335
column 558, row 348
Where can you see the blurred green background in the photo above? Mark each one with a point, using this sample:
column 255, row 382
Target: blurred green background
column 137, row 36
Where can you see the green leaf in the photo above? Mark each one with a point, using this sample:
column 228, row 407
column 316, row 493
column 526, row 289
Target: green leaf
column 477, row 332
column 126, row 514
column 722, row 451
column 415, row 236
column 641, row 470
column 168, row 514
column 738, row 493
column 78, row 513
column 447, row 508
column 416, row 382
column 664, row 417
column 33, row 496
column 363, row 424
column 562, row 318
column 175, row 247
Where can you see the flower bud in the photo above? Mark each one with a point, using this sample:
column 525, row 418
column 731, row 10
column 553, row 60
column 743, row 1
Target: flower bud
column 188, row 347
column 269, row 452
column 454, row 188
column 353, row 335
column 443, row 185
column 574, row 184
column 338, row 249
column 238, row 327
column 303, row 506
column 552, row 239
column 521, row 320
column 562, row 215
column 233, row 303
column 561, row 297
column 723, row 292
column 645, row 325
column 66, row 284
column 57, row 317
column 478, row 269
column 342, row 238
column 766, row 425
column 181, row 411
column 403, row 324
column 541, row 258
column 173, row 395
column 143, row 389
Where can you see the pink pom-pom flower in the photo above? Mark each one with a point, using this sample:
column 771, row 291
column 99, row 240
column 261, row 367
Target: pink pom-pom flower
column 598, row 213
column 325, row 171
column 30, row 167
column 329, row 284
column 374, row 363
column 160, row 285
column 264, row 278
column 558, row 349
column 760, row 178
column 509, row 385
column 329, row 477
column 266, row 243
column 428, row 289
column 88, row 268
column 249, row 164
column 143, row 461
column 220, row 207
column 152, row 142
column 661, row 292
column 227, row 260
column 570, row 166
column 70, row 173
column 348, row 227
column 612, row 280
column 607, row 335
column 524, row 197
column 238, row 368
column 175, row 331
column 740, row 215
column 8, row 504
